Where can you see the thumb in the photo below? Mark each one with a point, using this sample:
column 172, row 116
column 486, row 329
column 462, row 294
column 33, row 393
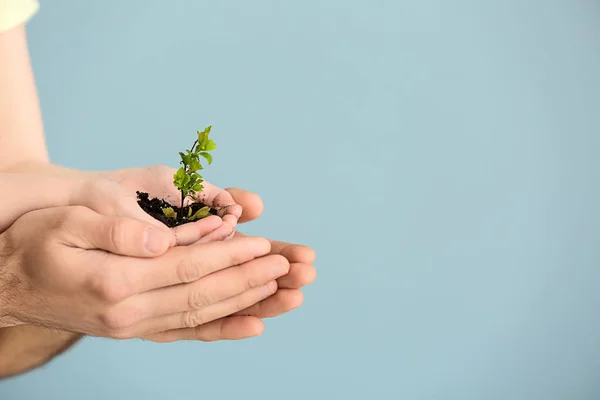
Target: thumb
column 118, row 235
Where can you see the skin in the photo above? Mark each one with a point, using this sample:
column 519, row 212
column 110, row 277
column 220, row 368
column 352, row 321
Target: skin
column 35, row 345
column 21, row 128
column 31, row 339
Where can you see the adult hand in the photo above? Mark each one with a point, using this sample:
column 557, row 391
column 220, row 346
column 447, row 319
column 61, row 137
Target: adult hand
column 156, row 180
column 248, row 323
column 42, row 282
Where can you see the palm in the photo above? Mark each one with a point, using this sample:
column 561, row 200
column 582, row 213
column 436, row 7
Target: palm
column 157, row 181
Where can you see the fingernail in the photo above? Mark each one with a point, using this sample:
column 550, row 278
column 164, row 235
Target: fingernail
column 154, row 240
column 260, row 246
column 269, row 289
column 279, row 272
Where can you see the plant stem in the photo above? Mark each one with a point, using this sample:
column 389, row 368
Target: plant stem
column 181, row 208
column 194, row 145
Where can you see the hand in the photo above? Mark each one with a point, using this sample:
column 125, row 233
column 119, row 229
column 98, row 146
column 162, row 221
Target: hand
column 288, row 297
column 42, row 281
column 101, row 195
column 157, row 181
column 248, row 323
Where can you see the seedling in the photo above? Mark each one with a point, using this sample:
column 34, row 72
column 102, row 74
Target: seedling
column 189, row 183
column 188, row 180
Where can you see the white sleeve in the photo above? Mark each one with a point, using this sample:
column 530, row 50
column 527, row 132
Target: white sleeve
column 16, row 12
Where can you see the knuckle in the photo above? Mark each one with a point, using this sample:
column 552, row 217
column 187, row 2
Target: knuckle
column 118, row 334
column 118, row 233
column 199, row 335
column 252, row 282
column 109, row 289
column 116, row 319
column 189, row 270
column 199, row 299
column 191, row 319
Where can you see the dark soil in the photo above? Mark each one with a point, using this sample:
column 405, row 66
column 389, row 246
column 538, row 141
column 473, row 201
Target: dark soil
column 154, row 208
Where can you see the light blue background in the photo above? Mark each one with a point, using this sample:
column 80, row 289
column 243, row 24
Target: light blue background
column 441, row 156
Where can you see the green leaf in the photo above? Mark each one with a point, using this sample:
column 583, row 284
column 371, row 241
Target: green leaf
column 207, row 156
column 201, row 213
column 186, row 180
column 185, row 158
column 197, row 187
column 179, row 174
column 169, row 213
column 189, row 212
column 195, row 165
column 178, row 184
column 203, row 138
column 210, row 145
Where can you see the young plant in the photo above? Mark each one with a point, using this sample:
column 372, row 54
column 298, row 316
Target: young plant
column 188, row 180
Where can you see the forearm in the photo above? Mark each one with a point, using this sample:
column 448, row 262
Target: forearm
column 21, row 128
column 17, row 201
column 21, row 142
column 25, row 347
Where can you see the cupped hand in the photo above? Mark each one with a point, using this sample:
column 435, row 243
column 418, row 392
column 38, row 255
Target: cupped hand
column 157, row 181
column 247, row 322
column 102, row 195
column 130, row 295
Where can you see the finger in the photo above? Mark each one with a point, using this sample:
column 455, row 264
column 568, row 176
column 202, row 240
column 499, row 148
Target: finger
column 298, row 276
column 225, row 231
column 295, row 253
column 194, row 318
column 207, row 291
column 118, row 235
column 185, row 264
column 251, row 203
column 220, row 200
column 281, row 302
column 214, row 196
column 197, row 231
column 229, row 328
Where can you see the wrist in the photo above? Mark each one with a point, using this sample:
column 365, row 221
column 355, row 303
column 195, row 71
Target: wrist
column 26, row 166
column 42, row 167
